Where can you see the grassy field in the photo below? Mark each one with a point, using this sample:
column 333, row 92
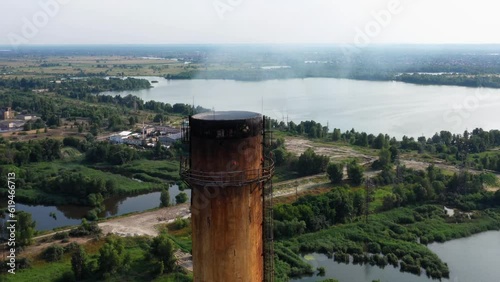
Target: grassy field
column 148, row 170
column 155, row 173
column 123, row 184
column 141, row 269
column 379, row 194
column 181, row 234
column 75, row 65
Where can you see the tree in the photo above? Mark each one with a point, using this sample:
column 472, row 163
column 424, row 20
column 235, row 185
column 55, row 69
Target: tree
column 279, row 156
column 111, row 255
column 335, row 172
column 336, row 134
column 94, row 130
column 131, row 121
column 165, row 198
column 181, row 198
column 362, row 140
column 158, row 150
column 27, row 126
column 355, row 173
column 342, row 202
column 161, row 268
column 379, row 142
column 162, row 248
column 53, row 253
column 158, row 118
column 25, row 229
column 358, row 202
column 109, row 259
column 181, row 108
column 54, row 120
column 394, row 153
column 80, row 264
column 110, row 186
column 310, row 163
column 496, row 197
column 384, row 159
column 85, row 229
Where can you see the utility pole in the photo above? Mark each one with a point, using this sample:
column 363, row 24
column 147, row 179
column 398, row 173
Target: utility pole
column 262, row 109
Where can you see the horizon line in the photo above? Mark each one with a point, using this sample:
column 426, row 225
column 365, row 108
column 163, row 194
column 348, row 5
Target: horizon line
column 250, row 44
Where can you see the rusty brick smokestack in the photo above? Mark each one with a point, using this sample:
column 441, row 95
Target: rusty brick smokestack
column 227, row 170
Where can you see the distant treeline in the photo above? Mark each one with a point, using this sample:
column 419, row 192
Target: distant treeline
column 52, row 108
column 78, row 86
column 282, row 73
column 21, row 153
column 448, row 79
column 468, row 80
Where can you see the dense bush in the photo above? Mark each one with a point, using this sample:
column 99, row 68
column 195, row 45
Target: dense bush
column 21, row 153
column 355, row 173
column 113, row 154
column 53, row 253
column 310, row 163
column 181, row 198
column 86, row 229
column 335, row 172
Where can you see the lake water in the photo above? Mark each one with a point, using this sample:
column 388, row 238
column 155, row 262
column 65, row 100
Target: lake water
column 389, row 107
column 472, row 259
column 72, row 215
column 475, row 258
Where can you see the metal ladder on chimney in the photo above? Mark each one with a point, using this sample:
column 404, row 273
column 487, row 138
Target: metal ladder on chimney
column 267, row 197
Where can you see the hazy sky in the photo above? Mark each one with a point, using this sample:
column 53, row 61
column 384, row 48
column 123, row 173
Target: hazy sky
column 248, row 21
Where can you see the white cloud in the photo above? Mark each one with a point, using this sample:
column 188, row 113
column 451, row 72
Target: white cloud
column 253, row 21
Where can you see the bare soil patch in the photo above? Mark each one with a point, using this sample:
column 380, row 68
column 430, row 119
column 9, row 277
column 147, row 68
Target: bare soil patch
column 298, row 146
column 144, row 223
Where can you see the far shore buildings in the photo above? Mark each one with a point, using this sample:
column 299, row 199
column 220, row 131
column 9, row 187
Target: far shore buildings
column 26, row 117
column 11, row 125
column 165, row 129
column 167, row 136
column 9, row 121
column 7, row 113
column 170, row 138
column 6, row 125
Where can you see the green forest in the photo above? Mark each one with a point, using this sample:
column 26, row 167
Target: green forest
column 376, row 220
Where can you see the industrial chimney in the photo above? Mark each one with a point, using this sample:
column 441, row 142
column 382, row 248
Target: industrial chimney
column 231, row 201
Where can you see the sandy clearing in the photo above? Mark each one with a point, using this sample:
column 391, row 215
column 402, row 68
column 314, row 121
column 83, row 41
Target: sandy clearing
column 298, row 145
column 144, row 223
column 132, row 225
column 419, row 165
